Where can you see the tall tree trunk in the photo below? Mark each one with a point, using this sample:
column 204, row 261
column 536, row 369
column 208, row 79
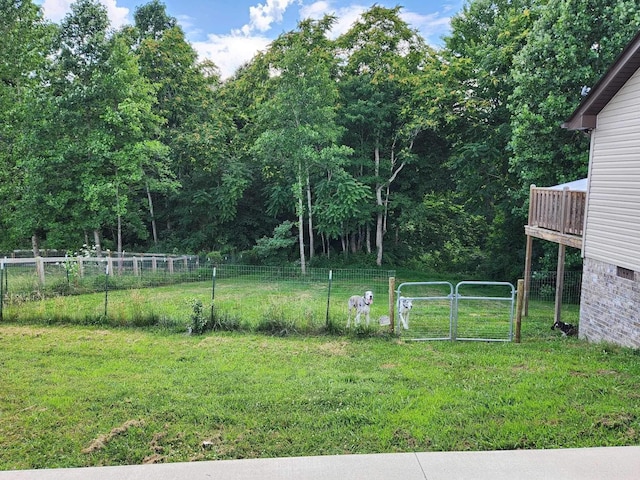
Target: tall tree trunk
column 96, row 241
column 119, row 233
column 379, row 203
column 300, row 194
column 35, row 245
column 153, row 218
column 311, row 236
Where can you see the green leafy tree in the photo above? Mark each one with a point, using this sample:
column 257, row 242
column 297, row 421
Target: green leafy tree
column 299, row 119
column 106, row 124
column 198, row 132
column 381, row 54
column 486, row 35
column 570, row 46
column 24, row 54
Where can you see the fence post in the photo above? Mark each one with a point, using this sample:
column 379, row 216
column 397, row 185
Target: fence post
column 519, row 300
column 392, row 303
column 40, row 270
column 329, row 298
column 213, row 285
column 213, row 293
column 1, row 287
column 106, row 290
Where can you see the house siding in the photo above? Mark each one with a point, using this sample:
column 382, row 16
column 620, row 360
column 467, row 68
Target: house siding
column 612, row 233
column 610, row 305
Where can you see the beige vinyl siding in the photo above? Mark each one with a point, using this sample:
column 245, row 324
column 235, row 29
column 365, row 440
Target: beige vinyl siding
column 613, row 210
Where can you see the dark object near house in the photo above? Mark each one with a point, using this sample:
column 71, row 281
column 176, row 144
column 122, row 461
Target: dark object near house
column 565, row 328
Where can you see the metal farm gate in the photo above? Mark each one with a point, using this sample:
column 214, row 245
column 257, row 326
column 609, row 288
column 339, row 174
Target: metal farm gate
column 477, row 311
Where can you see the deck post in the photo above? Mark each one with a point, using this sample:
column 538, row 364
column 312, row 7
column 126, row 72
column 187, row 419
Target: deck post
column 561, row 256
column 527, row 260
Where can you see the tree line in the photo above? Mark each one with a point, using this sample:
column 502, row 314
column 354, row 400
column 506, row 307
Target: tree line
column 372, row 147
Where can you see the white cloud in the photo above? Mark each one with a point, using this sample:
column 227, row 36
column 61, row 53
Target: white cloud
column 117, row 15
column 56, row 10
column 229, row 52
column 263, row 15
column 345, row 16
column 431, row 26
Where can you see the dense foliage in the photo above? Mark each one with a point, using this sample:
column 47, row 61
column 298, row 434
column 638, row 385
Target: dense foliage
column 372, row 148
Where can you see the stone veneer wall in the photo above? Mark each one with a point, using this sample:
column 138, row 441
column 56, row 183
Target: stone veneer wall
column 610, row 305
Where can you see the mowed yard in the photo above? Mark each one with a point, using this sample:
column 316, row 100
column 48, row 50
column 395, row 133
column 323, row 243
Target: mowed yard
column 90, row 395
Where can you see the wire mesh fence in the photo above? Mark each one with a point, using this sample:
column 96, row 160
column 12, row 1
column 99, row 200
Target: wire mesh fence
column 152, row 290
column 543, row 286
column 139, row 291
column 281, row 299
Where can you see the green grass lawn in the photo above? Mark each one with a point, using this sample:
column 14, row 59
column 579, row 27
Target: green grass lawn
column 86, row 395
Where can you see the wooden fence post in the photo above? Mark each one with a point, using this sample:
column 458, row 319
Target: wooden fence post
column 40, row 270
column 519, row 298
column 80, row 267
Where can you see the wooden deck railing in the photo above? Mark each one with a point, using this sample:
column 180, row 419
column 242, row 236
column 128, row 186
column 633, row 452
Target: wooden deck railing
column 557, row 210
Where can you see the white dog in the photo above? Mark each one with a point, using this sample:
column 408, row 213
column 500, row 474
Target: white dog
column 361, row 305
column 404, row 307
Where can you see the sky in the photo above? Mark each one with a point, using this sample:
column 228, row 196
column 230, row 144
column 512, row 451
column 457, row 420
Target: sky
column 230, row 32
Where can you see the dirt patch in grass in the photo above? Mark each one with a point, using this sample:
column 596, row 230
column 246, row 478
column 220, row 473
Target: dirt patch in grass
column 333, row 348
column 101, row 441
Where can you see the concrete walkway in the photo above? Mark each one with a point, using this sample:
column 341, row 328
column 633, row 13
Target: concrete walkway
column 610, row 463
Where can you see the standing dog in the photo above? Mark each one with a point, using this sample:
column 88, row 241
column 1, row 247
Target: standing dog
column 404, row 307
column 361, row 305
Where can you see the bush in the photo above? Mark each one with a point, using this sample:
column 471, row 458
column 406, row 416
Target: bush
column 198, row 322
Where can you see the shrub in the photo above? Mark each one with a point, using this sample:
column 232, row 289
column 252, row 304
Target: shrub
column 198, row 322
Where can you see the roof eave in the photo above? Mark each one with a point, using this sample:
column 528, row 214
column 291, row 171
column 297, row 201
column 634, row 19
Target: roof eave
column 584, row 117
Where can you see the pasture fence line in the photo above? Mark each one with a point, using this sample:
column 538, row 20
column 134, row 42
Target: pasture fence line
column 283, row 299
column 49, row 276
column 100, row 290
column 240, row 296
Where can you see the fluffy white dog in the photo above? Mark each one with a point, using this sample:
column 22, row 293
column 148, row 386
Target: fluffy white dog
column 361, row 306
column 404, row 307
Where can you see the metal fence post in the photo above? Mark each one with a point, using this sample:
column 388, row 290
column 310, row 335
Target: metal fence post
column 392, row 303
